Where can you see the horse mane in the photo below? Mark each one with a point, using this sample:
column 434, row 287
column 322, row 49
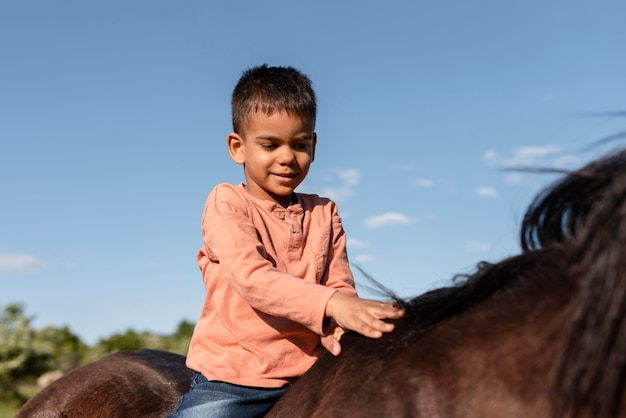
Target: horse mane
column 575, row 233
column 592, row 370
column 586, row 211
column 559, row 210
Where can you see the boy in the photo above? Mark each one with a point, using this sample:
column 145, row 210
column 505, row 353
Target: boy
column 274, row 264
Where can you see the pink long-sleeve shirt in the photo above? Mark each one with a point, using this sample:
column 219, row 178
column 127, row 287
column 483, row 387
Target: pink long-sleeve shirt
column 268, row 273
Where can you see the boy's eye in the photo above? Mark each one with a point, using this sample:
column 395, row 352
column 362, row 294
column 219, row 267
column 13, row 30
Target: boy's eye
column 269, row 146
column 303, row 146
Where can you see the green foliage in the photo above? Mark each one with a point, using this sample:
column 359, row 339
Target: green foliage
column 130, row 340
column 7, row 410
column 178, row 342
column 27, row 353
column 67, row 349
column 184, row 330
column 22, row 353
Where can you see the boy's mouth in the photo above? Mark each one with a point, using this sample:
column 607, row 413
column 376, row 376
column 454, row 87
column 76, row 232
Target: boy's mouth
column 285, row 177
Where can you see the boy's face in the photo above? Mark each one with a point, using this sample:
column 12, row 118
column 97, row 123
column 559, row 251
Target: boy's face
column 276, row 151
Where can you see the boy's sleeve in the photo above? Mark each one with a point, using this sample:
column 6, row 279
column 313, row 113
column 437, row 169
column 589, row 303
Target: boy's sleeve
column 339, row 276
column 230, row 236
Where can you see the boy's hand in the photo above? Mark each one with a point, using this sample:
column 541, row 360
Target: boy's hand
column 362, row 315
column 331, row 340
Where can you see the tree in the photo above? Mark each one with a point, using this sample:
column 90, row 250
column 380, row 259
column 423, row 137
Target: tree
column 130, row 340
column 26, row 353
column 184, row 330
column 178, row 342
column 22, row 354
column 67, row 349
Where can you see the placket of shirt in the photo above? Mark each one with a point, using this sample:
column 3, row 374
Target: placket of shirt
column 293, row 222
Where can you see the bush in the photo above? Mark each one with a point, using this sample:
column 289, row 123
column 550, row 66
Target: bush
column 22, row 354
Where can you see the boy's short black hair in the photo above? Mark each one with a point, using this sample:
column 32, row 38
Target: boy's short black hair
column 270, row 89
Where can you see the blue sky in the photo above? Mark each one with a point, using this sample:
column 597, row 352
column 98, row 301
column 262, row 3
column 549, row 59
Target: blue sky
column 114, row 115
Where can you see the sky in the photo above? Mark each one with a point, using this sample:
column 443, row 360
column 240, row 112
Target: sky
column 114, row 117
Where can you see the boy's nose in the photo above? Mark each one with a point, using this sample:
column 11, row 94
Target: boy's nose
column 286, row 156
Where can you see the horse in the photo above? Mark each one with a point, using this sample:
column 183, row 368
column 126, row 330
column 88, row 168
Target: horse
column 541, row 333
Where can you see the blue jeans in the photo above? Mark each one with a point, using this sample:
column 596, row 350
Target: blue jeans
column 224, row 400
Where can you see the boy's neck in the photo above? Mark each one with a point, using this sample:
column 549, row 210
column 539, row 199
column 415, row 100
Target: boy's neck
column 294, row 198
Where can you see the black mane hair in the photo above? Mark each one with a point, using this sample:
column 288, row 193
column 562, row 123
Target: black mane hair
column 573, row 233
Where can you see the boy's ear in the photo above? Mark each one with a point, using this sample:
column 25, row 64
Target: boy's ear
column 313, row 146
column 236, row 147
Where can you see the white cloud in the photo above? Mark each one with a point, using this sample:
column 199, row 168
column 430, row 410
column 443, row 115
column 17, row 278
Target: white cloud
column 347, row 179
column 421, row 182
column 69, row 265
column 350, row 177
column 474, row 246
column 355, row 243
column 567, row 160
column 19, row 262
column 522, row 157
column 528, row 155
column 513, row 178
column 389, row 218
column 363, row 258
column 486, row 191
column 337, row 194
column 491, row 157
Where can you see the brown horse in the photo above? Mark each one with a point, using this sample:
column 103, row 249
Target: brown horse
column 540, row 334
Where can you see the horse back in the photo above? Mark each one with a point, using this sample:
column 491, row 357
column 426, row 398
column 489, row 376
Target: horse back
column 146, row 383
column 493, row 360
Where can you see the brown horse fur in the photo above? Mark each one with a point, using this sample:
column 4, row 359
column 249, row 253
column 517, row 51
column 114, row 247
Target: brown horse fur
column 541, row 334
column 142, row 383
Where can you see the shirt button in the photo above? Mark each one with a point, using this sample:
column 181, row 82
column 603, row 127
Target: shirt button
column 281, row 215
